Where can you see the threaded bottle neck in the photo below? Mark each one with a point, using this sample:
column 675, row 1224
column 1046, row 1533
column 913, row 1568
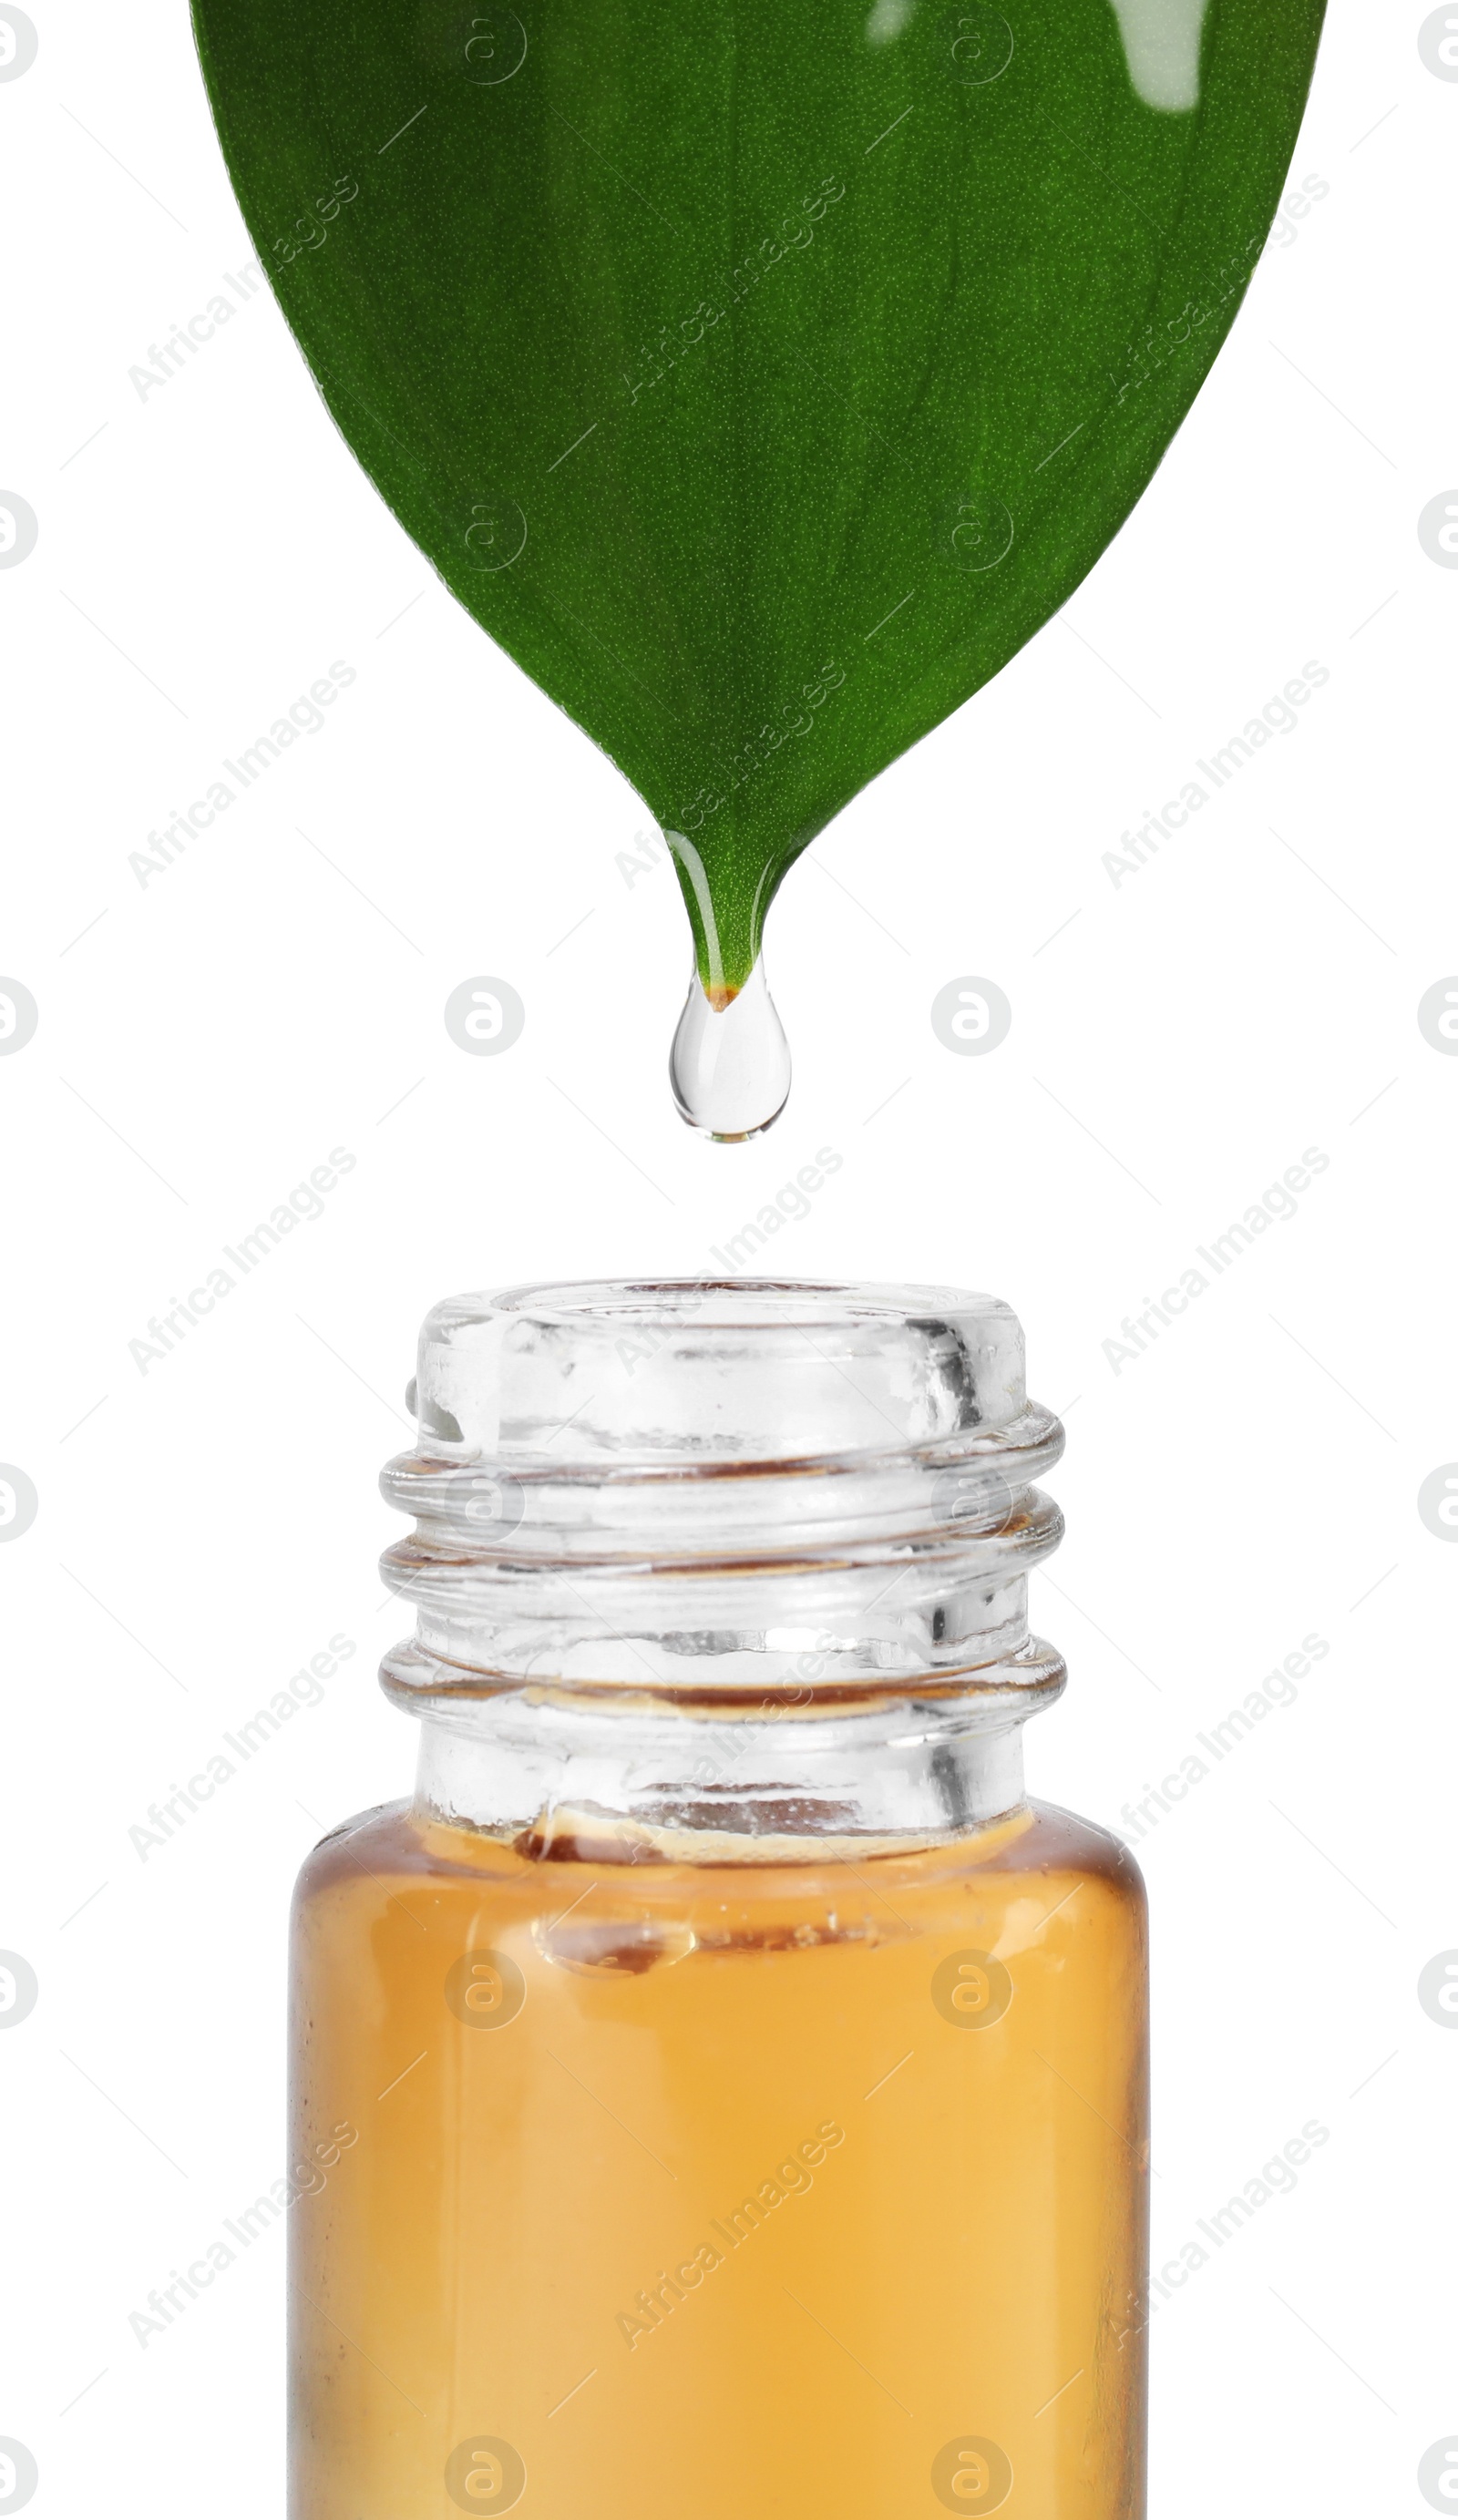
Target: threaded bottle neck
column 803, row 1515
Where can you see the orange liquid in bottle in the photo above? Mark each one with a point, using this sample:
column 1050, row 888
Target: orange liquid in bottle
column 809, row 2187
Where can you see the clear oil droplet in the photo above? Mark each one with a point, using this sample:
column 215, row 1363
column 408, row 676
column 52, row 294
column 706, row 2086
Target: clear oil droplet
column 729, row 1066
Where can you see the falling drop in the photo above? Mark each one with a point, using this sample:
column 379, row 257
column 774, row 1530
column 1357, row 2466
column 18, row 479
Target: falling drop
column 729, row 1066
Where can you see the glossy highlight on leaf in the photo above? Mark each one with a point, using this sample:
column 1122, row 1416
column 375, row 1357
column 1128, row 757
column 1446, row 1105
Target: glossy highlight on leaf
column 760, row 375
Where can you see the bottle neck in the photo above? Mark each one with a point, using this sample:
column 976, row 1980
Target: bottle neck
column 613, row 1778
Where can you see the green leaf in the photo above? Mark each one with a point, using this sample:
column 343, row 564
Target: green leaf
column 759, row 375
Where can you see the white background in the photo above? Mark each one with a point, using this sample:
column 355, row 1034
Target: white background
column 1178, row 1039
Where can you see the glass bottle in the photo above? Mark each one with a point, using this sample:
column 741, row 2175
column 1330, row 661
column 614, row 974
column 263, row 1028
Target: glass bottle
column 721, row 2089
